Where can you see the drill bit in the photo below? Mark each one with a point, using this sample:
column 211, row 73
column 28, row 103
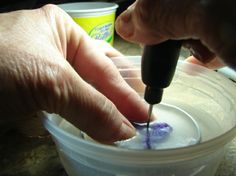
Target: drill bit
column 148, row 123
column 149, row 116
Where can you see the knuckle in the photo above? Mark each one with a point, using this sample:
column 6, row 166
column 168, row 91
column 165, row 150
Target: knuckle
column 50, row 7
column 109, row 110
column 111, row 74
column 52, row 86
column 52, row 11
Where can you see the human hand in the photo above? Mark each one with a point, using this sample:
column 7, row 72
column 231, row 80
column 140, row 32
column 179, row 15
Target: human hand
column 47, row 62
column 210, row 26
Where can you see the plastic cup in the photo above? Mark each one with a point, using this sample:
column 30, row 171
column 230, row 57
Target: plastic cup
column 208, row 97
column 96, row 18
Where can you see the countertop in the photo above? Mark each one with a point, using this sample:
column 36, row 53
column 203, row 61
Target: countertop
column 22, row 154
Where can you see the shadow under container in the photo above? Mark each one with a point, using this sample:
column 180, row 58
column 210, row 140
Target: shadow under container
column 207, row 96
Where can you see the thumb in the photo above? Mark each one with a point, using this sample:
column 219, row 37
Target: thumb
column 152, row 22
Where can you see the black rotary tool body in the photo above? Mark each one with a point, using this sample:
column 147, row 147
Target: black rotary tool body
column 158, row 67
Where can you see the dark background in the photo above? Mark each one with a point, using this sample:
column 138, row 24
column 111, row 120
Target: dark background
column 11, row 5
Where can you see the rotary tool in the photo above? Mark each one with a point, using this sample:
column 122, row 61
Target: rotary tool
column 157, row 70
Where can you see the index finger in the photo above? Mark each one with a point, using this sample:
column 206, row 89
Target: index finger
column 97, row 69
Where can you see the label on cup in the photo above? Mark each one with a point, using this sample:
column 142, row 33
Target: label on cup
column 103, row 32
column 98, row 27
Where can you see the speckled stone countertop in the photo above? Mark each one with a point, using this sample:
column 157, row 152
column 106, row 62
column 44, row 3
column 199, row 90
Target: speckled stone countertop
column 22, row 154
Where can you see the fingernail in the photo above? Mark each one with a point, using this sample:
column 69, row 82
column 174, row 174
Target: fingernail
column 126, row 15
column 124, row 25
column 127, row 131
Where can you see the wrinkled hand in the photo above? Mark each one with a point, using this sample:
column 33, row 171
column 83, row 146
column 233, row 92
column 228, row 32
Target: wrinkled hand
column 209, row 24
column 47, row 62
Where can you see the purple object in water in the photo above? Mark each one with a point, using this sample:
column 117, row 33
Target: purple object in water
column 145, row 139
column 156, row 133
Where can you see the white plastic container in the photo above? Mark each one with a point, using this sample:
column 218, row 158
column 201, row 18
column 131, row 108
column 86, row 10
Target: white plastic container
column 207, row 96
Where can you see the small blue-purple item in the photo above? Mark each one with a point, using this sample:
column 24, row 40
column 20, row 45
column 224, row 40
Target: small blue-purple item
column 157, row 133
